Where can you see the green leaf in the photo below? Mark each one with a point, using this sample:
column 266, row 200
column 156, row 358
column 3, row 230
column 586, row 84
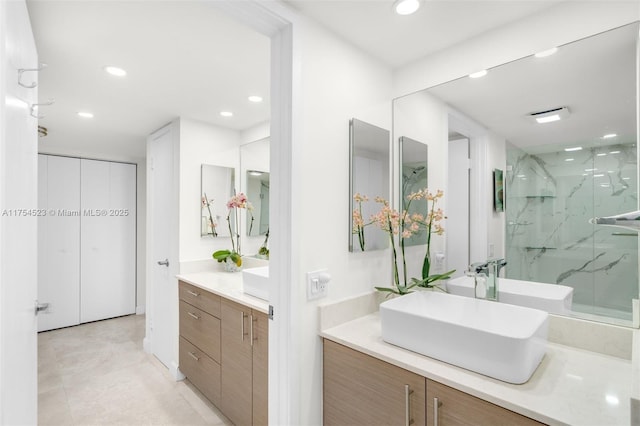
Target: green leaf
column 426, row 265
column 221, row 255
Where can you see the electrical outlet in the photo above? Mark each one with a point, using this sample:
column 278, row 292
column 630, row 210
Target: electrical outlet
column 317, row 284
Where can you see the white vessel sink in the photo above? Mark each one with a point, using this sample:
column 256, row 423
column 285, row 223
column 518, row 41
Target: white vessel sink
column 502, row 341
column 552, row 298
column 255, row 282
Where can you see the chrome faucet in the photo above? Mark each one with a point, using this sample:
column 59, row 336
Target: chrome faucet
column 485, row 275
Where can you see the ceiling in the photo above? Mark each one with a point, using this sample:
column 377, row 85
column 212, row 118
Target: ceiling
column 187, row 59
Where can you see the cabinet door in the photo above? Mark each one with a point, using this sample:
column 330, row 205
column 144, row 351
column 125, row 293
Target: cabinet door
column 236, row 365
column 108, row 241
column 260, row 334
column 59, row 241
column 456, row 408
column 362, row 390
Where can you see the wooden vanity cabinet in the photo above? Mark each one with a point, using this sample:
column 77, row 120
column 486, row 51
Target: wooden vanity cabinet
column 456, row 408
column 244, row 378
column 362, row 390
column 199, row 351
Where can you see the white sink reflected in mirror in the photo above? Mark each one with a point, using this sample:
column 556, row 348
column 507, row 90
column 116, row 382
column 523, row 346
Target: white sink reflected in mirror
column 255, row 282
column 552, row 298
column 499, row 340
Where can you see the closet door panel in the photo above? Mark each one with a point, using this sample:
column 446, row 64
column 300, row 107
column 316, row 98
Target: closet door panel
column 59, row 241
column 108, row 193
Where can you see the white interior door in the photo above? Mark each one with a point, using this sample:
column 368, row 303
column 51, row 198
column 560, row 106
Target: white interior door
column 163, row 231
column 18, row 223
column 108, row 245
column 59, row 241
column 458, row 207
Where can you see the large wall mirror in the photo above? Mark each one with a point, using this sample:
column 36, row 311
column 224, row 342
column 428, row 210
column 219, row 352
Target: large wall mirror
column 254, row 167
column 413, row 178
column 217, row 185
column 563, row 126
column 369, row 148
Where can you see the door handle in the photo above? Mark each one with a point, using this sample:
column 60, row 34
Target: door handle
column 41, row 307
column 164, row 262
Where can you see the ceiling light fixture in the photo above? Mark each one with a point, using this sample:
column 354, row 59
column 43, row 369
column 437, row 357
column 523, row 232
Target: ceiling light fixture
column 551, row 115
column 255, row 173
column 406, row 7
column 614, row 152
column 118, row 72
column 226, row 113
column 546, row 53
column 609, row 136
column 85, row 114
column 575, row 148
column 568, row 159
column 478, row 74
column 602, row 154
column 255, row 99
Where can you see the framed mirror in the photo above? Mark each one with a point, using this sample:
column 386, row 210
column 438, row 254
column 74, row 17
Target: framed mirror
column 254, row 167
column 413, row 178
column 562, row 125
column 369, row 166
column 217, row 185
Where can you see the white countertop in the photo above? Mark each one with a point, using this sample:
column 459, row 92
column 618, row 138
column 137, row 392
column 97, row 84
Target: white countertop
column 227, row 285
column 571, row 386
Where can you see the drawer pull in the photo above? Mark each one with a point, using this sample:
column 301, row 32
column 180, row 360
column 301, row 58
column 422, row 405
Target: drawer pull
column 192, row 315
column 407, row 405
column 436, row 404
column 242, row 316
column 251, row 328
column 194, row 356
column 193, row 293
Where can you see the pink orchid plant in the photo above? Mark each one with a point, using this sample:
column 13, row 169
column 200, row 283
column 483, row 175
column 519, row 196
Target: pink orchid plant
column 234, row 205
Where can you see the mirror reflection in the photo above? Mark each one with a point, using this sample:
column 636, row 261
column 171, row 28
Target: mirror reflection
column 413, row 160
column 369, row 178
column 258, row 194
column 217, row 185
column 563, row 128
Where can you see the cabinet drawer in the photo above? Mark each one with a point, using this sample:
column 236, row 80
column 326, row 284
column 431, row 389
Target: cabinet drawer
column 200, row 298
column 201, row 329
column 201, row 370
column 457, row 408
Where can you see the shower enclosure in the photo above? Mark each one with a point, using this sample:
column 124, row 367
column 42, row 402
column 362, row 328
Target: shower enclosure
column 551, row 195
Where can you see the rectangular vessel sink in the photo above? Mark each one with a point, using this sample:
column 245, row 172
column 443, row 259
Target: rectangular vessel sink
column 499, row 340
column 255, row 282
column 552, row 298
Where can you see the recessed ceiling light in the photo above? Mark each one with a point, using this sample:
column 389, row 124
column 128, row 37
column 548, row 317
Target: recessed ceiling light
column 118, row 72
column 226, row 113
column 255, row 173
column 255, row 99
column 478, row 74
column 609, row 136
column 575, row 148
column 85, row 114
column 546, row 53
column 406, row 7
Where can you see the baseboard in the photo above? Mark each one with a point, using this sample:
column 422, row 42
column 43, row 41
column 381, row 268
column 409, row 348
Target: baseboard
column 175, row 372
column 146, row 345
column 140, row 310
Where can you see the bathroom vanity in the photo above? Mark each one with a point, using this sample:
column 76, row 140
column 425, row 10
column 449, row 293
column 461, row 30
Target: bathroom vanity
column 369, row 381
column 224, row 344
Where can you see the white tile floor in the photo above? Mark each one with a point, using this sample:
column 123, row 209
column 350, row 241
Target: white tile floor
column 98, row 374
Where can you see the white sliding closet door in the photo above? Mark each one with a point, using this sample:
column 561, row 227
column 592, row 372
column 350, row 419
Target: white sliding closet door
column 108, row 240
column 59, row 241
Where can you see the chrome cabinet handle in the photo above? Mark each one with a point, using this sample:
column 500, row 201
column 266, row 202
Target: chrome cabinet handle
column 407, row 405
column 242, row 315
column 164, row 262
column 194, row 316
column 193, row 293
column 436, row 405
column 194, row 356
column 251, row 329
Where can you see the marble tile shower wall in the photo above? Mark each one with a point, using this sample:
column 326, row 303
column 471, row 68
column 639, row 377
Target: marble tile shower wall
column 550, row 199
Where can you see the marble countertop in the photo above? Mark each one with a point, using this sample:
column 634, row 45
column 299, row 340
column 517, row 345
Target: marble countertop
column 571, row 386
column 227, row 285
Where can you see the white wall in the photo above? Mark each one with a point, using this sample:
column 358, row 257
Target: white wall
column 201, row 143
column 337, row 83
